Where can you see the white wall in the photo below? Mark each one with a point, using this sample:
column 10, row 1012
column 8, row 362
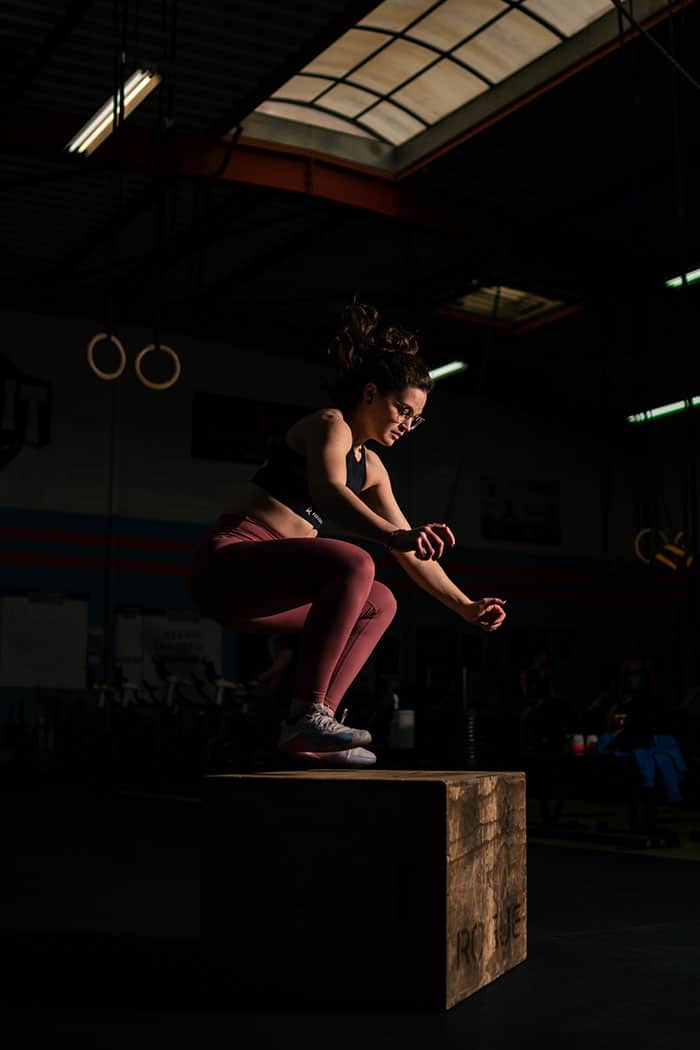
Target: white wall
column 157, row 478
column 155, row 474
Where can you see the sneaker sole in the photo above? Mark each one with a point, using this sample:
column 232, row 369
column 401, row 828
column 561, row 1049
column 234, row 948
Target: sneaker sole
column 340, row 758
column 326, row 745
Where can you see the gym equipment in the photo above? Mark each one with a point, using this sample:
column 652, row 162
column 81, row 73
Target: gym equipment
column 443, row 900
column 653, row 547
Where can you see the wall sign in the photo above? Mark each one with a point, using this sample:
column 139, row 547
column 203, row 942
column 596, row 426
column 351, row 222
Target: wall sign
column 25, row 411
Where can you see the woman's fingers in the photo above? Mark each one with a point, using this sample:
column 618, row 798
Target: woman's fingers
column 428, row 541
column 436, row 544
column 422, row 548
column 492, row 613
column 447, row 532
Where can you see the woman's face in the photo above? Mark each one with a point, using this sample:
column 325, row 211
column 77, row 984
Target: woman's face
column 390, row 416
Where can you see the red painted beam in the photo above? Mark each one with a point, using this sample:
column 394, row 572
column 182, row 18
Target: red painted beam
column 46, row 134
column 275, row 166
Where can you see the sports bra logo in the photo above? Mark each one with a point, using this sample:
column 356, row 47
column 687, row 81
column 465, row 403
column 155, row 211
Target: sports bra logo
column 311, row 513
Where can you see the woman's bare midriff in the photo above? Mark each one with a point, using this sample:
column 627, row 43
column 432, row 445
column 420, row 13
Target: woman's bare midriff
column 259, row 504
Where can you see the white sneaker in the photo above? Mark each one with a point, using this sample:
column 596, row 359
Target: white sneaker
column 354, row 756
column 316, row 730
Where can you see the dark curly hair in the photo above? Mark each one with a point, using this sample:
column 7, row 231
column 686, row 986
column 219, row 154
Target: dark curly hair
column 365, row 351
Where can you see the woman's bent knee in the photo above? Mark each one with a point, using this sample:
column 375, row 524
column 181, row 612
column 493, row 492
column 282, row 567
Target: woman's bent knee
column 383, row 599
column 351, row 560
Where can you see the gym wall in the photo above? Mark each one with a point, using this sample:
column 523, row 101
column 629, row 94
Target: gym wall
column 56, row 498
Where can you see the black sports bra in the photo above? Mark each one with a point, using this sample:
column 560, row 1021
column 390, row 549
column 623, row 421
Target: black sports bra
column 283, row 475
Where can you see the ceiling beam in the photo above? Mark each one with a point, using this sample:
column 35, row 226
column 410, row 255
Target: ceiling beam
column 45, row 134
column 198, row 157
column 195, row 157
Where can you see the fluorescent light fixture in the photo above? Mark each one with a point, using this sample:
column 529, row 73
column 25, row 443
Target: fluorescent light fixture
column 448, row 370
column 677, row 282
column 663, row 410
column 101, row 125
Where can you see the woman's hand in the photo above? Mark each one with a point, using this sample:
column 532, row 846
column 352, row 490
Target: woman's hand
column 428, row 541
column 487, row 613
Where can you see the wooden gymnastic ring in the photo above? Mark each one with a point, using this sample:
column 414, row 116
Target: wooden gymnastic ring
column 149, row 382
column 637, row 543
column 91, row 355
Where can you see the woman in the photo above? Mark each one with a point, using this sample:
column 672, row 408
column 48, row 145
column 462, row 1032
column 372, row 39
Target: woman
column 263, row 567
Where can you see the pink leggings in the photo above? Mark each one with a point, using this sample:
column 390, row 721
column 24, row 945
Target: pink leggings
column 248, row 577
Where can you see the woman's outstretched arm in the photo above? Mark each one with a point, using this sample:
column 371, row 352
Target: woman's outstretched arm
column 429, row 575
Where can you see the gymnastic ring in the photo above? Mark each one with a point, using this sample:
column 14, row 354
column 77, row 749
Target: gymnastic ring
column 91, row 355
column 637, row 545
column 149, row 382
column 638, row 540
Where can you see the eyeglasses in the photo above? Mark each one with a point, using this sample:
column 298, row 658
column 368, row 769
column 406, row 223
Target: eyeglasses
column 406, row 413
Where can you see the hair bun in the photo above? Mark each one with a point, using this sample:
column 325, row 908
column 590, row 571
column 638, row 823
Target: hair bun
column 396, row 340
column 360, row 324
column 360, row 320
column 364, row 351
column 360, row 337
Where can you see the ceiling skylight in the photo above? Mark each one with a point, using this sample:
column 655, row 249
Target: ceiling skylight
column 507, row 305
column 411, row 65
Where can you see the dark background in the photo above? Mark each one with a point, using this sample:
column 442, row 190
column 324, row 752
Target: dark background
column 584, row 194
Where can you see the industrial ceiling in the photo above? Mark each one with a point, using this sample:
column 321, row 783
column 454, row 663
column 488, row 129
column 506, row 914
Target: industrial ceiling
column 528, row 229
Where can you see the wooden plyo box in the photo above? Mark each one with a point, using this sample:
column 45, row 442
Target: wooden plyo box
column 363, row 888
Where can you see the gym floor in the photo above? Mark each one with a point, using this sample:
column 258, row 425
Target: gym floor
column 100, row 932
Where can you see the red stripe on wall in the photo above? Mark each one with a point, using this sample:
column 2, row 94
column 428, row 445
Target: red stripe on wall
column 77, row 561
column 600, row 599
column 639, row 575
column 96, row 539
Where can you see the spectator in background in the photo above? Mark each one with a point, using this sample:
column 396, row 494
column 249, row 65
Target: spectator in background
column 637, row 703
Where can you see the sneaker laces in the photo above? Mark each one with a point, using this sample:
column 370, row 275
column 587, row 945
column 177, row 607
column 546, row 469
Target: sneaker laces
column 329, row 711
column 322, row 718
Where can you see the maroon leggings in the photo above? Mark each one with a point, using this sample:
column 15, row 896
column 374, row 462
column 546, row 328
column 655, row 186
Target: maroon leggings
column 248, row 577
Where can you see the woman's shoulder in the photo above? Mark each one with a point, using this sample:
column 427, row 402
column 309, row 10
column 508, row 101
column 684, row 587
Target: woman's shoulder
column 316, row 426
